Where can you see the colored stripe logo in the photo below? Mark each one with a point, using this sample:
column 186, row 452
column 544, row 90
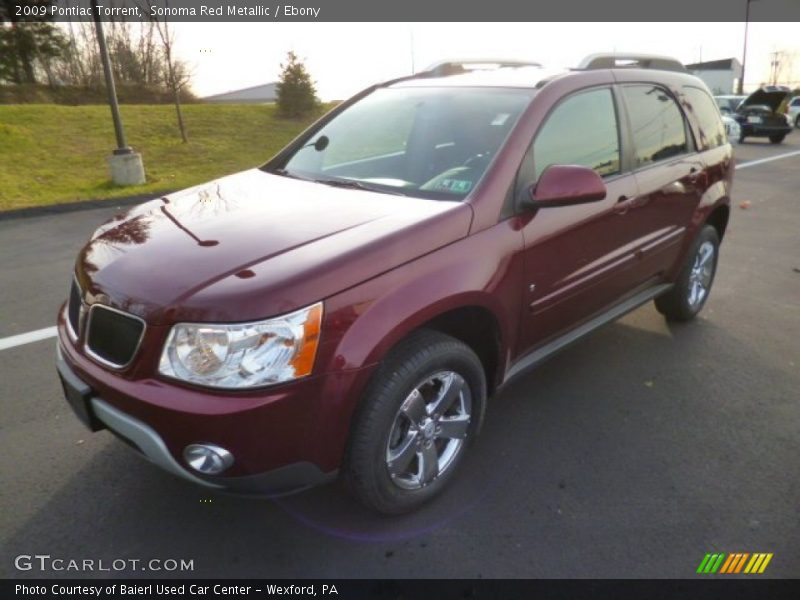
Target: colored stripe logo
column 734, row 563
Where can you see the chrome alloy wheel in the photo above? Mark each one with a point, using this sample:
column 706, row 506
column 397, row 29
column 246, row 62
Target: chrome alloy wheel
column 701, row 274
column 429, row 430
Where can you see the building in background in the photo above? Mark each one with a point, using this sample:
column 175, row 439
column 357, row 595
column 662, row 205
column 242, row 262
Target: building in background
column 258, row 94
column 721, row 76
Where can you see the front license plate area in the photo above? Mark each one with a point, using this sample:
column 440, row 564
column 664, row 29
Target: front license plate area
column 754, row 119
column 79, row 398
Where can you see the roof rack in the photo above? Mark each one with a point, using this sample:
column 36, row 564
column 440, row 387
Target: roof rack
column 454, row 67
column 624, row 60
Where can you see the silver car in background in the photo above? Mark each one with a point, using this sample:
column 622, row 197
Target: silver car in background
column 794, row 111
column 732, row 128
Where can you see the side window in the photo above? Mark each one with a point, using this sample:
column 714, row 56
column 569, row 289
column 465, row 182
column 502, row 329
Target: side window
column 582, row 130
column 656, row 123
column 712, row 131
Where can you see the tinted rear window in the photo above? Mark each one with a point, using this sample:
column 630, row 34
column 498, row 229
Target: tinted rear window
column 656, row 122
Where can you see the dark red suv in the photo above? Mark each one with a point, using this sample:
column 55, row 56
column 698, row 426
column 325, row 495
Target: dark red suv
column 350, row 306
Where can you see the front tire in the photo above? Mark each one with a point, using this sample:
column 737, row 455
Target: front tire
column 423, row 407
column 691, row 290
column 777, row 139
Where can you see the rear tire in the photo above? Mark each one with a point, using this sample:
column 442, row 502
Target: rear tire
column 691, row 289
column 777, row 139
column 741, row 138
column 422, row 408
column 797, row 122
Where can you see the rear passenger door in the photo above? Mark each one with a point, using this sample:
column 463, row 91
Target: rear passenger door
column 669, row 173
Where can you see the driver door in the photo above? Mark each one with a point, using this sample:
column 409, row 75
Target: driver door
column 577, row 259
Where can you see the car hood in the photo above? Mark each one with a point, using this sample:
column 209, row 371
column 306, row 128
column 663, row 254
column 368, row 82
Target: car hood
column 254, row 245
column 771, row 96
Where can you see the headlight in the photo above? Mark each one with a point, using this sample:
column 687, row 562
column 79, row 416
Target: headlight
column 243, row 355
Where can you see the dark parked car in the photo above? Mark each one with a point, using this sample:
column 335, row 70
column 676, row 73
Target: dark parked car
column 759, row 116
column 350, row 307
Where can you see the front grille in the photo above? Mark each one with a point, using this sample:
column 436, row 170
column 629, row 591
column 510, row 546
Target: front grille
column 113, row 336
column 74, row 308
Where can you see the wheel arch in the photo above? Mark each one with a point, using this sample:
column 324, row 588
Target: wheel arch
column 718, row 218
column 477, row 327
column 471, row 317
column 467, row 317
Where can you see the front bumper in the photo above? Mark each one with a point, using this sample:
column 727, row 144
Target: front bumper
column 143, row 438
column 283, row 439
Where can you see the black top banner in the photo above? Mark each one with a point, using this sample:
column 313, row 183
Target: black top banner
column 408, row 10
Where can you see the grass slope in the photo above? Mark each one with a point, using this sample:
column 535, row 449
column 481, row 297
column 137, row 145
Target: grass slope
column 51, row 154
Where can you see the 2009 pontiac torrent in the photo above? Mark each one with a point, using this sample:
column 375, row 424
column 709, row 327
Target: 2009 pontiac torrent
column 350, row 307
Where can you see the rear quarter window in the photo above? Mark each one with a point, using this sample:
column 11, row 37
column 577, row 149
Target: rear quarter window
column 712, row 131
column 657, row 124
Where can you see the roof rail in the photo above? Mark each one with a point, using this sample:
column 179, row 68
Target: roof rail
column 626, row 60
column 454, row 67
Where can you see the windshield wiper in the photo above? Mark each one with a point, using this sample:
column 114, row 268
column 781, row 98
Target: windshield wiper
column 287, row 173
column 354, row 184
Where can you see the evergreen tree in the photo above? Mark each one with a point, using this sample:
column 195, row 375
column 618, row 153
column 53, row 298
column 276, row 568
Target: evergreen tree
column 296, row 94
column 26, row 42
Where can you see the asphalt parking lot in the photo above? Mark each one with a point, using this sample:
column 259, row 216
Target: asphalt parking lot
column 631, row 454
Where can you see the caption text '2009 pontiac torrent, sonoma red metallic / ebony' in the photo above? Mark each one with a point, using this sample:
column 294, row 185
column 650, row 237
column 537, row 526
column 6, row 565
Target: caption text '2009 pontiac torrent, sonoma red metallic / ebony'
column 349, row 307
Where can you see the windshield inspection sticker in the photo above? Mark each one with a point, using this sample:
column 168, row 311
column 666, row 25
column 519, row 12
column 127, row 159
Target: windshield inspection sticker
column 458, row 186
column 500, row 119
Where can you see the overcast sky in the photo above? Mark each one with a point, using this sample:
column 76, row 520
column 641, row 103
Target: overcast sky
column 346, row 57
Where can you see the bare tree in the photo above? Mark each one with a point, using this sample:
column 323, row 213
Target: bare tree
column 178, row 74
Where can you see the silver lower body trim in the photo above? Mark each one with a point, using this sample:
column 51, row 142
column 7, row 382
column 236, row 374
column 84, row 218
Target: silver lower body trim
column 145, row 439
column 544, row 352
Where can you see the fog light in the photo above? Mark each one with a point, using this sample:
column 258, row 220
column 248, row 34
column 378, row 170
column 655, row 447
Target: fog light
column 207, row 459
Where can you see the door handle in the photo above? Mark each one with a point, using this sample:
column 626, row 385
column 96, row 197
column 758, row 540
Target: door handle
column 622, row 205
column 696, row 175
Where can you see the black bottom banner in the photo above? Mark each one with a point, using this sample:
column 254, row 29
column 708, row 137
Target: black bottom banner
column 439, row 589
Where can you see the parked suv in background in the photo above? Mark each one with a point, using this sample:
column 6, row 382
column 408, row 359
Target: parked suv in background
column 760, row 114
column 351, row 306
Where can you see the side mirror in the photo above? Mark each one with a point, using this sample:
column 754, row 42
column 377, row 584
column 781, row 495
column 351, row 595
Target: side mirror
column 565, row 185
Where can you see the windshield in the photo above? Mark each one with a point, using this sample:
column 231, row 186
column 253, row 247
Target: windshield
column 729, row 103
column 424, row 142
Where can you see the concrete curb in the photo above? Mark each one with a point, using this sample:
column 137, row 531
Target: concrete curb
column 68, row 207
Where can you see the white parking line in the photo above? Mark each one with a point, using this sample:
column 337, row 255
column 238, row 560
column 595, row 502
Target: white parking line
column 27, row 338
column 761, row 161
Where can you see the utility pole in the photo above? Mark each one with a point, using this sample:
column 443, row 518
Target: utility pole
column 411, row 40
column 125, row 164
column 774, row 65
column 740, row 89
